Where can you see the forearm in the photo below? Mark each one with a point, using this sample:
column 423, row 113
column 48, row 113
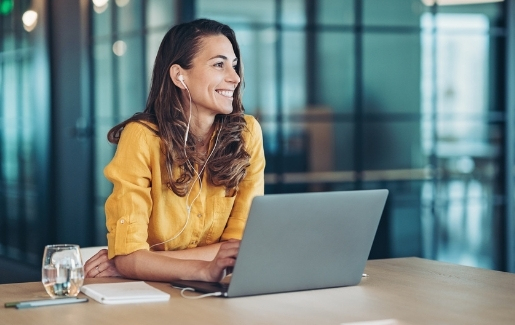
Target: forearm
column 203, row 253
column 153, row 266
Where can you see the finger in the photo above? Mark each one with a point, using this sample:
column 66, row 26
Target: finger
column 98, row 271
column 100, row 256
column 103, row 269
column 95, row 267
column 225, row 262
column 95, row 260
column 218, row 266
column 95, row 271
column 231, row 242
column 229, row 247
column 110, row 272
column 228, row 251
column 89, row 269
column 226, row 258
column 106, row 269
column 89, row 266
column 91, row 273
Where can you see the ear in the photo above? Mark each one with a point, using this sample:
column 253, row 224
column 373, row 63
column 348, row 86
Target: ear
column 175, row 72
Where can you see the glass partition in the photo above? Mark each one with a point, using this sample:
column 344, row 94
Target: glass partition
column 126, row 37
column 24, row 132
column 351, row 95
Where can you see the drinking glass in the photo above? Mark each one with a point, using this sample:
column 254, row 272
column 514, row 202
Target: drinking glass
column 62, row 270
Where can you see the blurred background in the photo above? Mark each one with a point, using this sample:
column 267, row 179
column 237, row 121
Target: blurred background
column 415, row 96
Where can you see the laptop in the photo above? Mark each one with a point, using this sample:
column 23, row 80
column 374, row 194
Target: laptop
column 302, row 241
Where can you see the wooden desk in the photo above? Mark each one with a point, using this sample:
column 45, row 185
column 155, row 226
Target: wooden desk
column 410, row 290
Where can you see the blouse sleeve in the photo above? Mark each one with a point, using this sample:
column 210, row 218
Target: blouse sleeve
column 129, row 206
column 252, row 185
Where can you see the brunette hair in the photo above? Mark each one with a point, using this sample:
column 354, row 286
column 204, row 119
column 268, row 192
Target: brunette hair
column 164, row 108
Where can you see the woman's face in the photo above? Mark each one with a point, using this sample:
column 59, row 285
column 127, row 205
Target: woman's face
column 213, row 78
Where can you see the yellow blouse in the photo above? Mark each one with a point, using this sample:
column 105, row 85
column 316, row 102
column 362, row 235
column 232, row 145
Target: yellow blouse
column 142, row 211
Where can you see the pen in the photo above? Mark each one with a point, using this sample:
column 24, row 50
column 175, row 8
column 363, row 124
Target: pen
column 46, row 302
column 13, row 304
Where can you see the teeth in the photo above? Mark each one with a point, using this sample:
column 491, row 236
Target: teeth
column 226, row 93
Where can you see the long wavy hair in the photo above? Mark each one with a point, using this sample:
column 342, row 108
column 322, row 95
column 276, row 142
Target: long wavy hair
column 165, row 109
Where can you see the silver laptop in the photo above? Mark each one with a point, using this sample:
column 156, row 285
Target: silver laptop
column 302, row 241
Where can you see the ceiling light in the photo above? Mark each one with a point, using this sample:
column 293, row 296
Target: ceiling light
column 100, row 3
column 119, row 48
column 30, row 20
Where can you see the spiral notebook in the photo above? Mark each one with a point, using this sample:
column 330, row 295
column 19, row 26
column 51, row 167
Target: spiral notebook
column 124, row 293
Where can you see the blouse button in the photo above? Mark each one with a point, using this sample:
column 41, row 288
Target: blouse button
column 199, row 215
column 122, row 221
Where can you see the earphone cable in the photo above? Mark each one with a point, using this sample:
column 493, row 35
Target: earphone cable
column 189, row 206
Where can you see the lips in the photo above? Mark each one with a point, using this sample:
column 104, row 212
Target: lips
column 226, row 93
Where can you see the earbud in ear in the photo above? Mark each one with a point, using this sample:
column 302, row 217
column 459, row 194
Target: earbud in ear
column 181, row 79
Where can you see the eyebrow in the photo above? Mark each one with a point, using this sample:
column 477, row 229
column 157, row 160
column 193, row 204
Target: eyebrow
column 222, row 57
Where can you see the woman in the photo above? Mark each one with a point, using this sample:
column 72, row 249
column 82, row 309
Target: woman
column 186, row 169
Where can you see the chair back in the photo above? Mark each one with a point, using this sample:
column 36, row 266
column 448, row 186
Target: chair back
column 88, row 252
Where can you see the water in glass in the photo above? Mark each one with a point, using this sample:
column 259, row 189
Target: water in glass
column 62, row 270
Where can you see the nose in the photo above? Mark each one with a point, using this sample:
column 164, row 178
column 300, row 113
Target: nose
column 233, row 77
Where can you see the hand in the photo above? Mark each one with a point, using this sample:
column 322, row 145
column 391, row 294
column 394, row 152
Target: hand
column 224, row 259
column 100, row 266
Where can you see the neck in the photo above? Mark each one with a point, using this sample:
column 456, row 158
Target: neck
column 203, row 134
column 202, row 126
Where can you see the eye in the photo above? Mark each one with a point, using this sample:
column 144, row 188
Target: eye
column 219, row 64
column 235, row 67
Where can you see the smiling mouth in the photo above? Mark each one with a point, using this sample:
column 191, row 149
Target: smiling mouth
column 225, row 93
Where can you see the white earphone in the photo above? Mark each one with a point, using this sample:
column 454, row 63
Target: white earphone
column 181, row 79
column 189, row 206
